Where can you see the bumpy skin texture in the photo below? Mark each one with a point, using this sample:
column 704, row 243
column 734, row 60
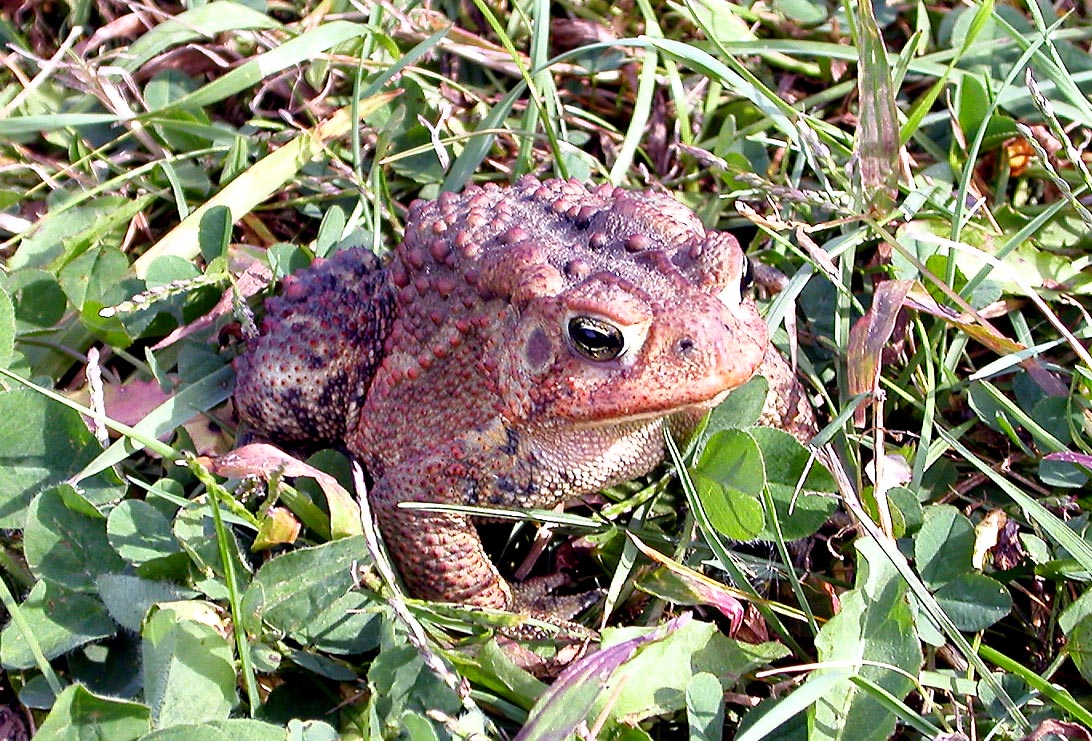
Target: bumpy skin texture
column 524, row 346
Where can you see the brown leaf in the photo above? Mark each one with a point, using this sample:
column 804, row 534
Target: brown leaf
column 264, row 460
column 868, row 337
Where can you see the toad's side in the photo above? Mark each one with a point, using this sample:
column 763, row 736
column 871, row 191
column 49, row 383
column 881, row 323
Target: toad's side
column 525, row 346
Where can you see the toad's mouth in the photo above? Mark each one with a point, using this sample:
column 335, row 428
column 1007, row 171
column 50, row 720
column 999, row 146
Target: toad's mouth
column 651, row 415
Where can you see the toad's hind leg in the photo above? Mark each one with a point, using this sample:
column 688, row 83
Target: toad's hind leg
column 307, row 374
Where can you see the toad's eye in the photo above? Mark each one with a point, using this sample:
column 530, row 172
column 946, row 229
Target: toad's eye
column 596, row 339
column 747, row 275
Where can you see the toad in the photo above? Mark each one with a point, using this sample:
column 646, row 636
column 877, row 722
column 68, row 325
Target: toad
column 524, row 346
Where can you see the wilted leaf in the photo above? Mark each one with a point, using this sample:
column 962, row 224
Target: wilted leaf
column 262, row 459
column 691, row 587
column 869, row 336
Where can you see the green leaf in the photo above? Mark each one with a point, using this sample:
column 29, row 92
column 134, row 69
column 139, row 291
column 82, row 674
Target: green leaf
column 38, row 298
column 308, row 594
column 974, row 602
column 294, row 51
column 732, row 458
column 705, row 707
column 802, row 502
column 741, row 409
column 944, row 545
column 734, row 514
column 655, row 681
column 195, row 532
column 65, row 545
column 874, row 625
column 1079, row 647
column 214, row 232
column 189, row 673
column 403, row 686
column 314, row 730
column 97, row 275
column 141, row 532
column 729, row 478
column 60, row 620
column 80, row 715
column 7, row 329
column 128, row 598
column 232, row 729
column 42, row 443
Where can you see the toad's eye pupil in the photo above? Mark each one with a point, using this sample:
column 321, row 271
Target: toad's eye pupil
column 747, row 275
column 595, row 339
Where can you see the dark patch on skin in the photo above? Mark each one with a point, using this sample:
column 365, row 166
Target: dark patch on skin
column 511, row 444
column 507, row 491
column 471, row 494
column 539, row 350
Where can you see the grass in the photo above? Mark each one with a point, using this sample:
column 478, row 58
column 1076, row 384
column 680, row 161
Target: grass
column 917, row 171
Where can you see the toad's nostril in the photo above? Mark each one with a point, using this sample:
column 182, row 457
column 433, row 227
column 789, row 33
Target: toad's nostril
column 686, row 344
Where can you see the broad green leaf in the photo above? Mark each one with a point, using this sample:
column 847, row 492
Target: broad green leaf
column 1079, row 647
column 1077, row 611
column 571, row 699
column 306, row 592
column 232, row 729
column 98, row 275
column 60, row 621
column 403, row 686
column 65, row 545
column 314, row 730
column 128, row 598
column 733, row 513
column 141, row 532
column 7, row 328
column 741, row 409
column 80, row 715
column 189, row 672
column 705, row 707
column 944, row 545
column 974, row 602
column 38, row 298
column 214, row 233
column 42, row 443
column 732, row 458
column 330, row 231
column 803, row 12
column 195, row 532
column 655, row 681
column 802, row 502
column 874, row 625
